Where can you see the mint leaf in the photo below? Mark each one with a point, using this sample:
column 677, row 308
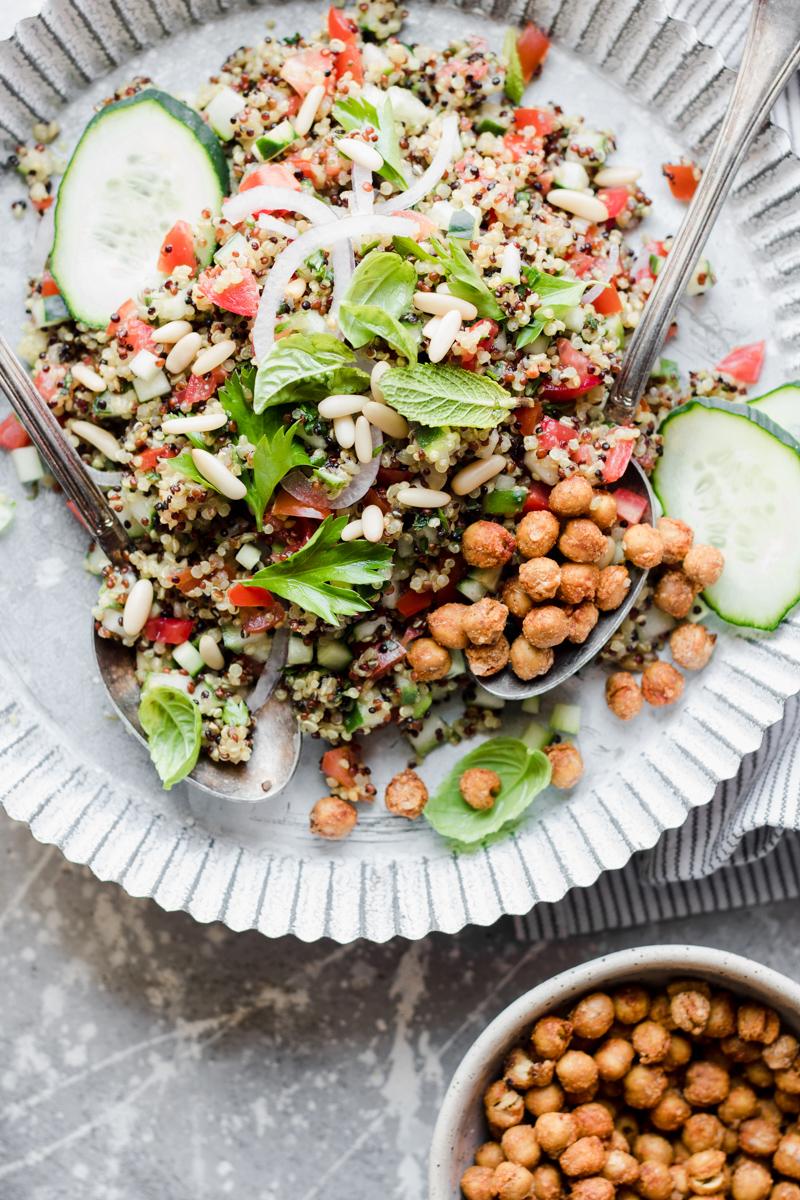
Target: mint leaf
column 514, row 85
column 173, row 725
column 320, row 576
column 464, row 280
column 435, row 395
column 275, row 457
column 362, row 323
column 306, row 366
column 523, row 773
column 356, row 114
column 383, row 279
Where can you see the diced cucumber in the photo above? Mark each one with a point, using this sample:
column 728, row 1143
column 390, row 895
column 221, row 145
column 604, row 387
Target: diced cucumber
column 96, row 560
column 702, row 279
column 173, row 679
column 275, row 141
column 462, row 224
column 7, row 506
column 782, row 406
column 615, row 328
column 734, row 476
column 588, row 147
column 299, row 653
column 138, row 513
column 492, row 122
column 537, row 736
column 111, row 620
column 114, row 405
column 408, row 109
column 566, row 718
column 49, row 310
column 142, row 164
column 433, row 733
column 144, row 365
column 235, row 250
column 187, row 656
column 257, row 647
column 437, row 444
column 486, row 699
column 150, row 389
column 364, row 630
column 221, row 110
column 354, row 719
column 489, row 577
column 235, row 712
column 409, row 693
column 421, row 706
column 471, row 588
column 248, row 555
column 27, row 464
column 699, row 611
column 574, row 318
column 532, row 705
column 333, row 654
column 571, row 175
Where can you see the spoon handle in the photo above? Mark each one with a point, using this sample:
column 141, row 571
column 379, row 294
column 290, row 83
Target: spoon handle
column 771, row 55
column 62, row 458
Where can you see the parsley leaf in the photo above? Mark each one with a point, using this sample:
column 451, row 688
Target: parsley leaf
column 236, row 397
column 275, row 456
column 173, row 725
column 439, row 395
column 320, row 576
column 184, row 464
column 514, row 85
column 464, row 280
column 356, row 114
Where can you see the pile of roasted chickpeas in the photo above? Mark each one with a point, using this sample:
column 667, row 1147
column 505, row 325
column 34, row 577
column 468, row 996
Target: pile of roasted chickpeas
column 686, row 1093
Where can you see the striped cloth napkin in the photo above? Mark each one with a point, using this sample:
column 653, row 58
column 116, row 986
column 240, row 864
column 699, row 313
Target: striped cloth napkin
column 744, row 847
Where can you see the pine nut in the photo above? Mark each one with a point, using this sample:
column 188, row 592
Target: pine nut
column 580, row 204
column 430, row 327
column 439, row 303
column 359, row 152
column 183, row 352
column 378, row 372
column 210, row 652
column 213, row 356
column 101, row 439
column 352, row 531
column 511, row 264
column 308, row 110
column 420, row 497
column 137, row 608
column 386, row 419
column 340, row 405
column 372, row 523
column 571, row 175
column 88, row 377
column 363, row 440
column 445, row 335
column 172, row 332
column 344, row 430
column 202, row 423
column 215, row 471
column 477, row 473
column 616, row 176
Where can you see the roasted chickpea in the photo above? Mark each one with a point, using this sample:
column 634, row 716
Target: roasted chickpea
column 787, row 1157
column 659, row 1011
column 586, row 1156
column 627, row 1126
column 703, row 1131
column 707, row 1172
column 578, row 582
column 614, row 1058
column 446, row 626
column 504, row 1107
column 571, row 497
column 759, row 1137
column 782, row 1053
column 551, row 1036
column 476, row 1183
column 519, row 1145
column 785, row 1191
column 661, row 684
column 540, row 577
column 593, row 1016
column 332, row 818
column 428, row 660
column 721, row 1021
column 547, row 1182
column 595, row 1187
column 768, row 1110
column 651, row 1147
column 674, row 594
column 594, row 1120
column 555, row 1131
column 582, row 542
column 618, row 1141
column 546, row 626
column 655, row 1181
column 643, row 546
column 537, row 533
column 706, row 1083
column 523, row 1072
column 650, row 1041
column 670, row 1112
column 644, row 1086
column 487, row 544
column 581, row 621
column 546, row 1099
column 739, row 1051
column 576, row 1070
column 690, row 1011
column 755, row 1023
column 511, row 1181
column 621, row 1167
column 603, row 510
column 787, row 1102
column 680, row 1180
column 490, row 1154
column 750, row 1181
column 612, row 587
column 703, row 565
column 692, row 646
column 529, row 662
column 566, row 766
column 740, row 1104
column 406, row 795
column 631, row 1004
column 759, row 1074
column 485, row 621
column 479, row 786
column 486, row 660
column 679, row 1053
column 676, row 538
column 516, row 599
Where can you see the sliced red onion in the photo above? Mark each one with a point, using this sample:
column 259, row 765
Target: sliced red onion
column 594, row 292
column 104, row 479
column 326, row 237
column 271, row 671
column 363, row 193
column 276, row 199
column 607, row 268
column 308, row 490
column 275, row 225
column 445, row 152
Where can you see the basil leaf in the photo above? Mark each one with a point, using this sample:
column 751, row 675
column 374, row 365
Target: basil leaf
column 409, row 248
column 355, row 114
column 383, row 279
column 555, row 289
column 464, row 280
column 362, row 323
column 306, row 366
column 523, row 773
column 173, row 725
column 514, row 84
column 275, row 457
column 435, row 395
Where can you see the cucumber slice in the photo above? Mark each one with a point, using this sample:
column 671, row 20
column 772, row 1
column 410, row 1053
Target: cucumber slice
column 734, row 476
column 472, row 589
column 333, row 654
column 433, row 733
column 187, row 656
column 114, row 404
column 27, row 464
column 537, row 736
column 271, row 144
column 49, row 310
column 141, row 165
column 782, row 406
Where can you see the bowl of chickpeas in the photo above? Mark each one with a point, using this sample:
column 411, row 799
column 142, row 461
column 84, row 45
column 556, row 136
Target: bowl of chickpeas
column 658, row 1073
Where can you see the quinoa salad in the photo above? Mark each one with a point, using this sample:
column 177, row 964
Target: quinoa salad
column 343, row 373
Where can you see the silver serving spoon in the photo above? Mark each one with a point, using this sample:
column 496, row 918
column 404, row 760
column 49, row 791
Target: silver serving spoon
column 277, row 742
column 771, row 56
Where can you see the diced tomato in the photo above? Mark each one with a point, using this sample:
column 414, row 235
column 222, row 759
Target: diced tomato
column 48, row 379
column 199, row 389
column 185, row 582
column 43, row 204
column 617, row 460
column 13, row 435
column 315, row 171
column 555, row 433
column 490, row 330
column 425, row 226
column 250, row 597
column 285, row 505
column 344, row 30
column 240, row 297
column 528, row 419
column 262, row 619
column 170, row 630
column 521, row 146
column 630, row 505
column 615, row 199
column 532, row 46
column 306, row 68
column 582, row 264
column 608, row 302
column 118, row 318
column 132, row 333
column 177, row 249
column 374, row 496
column 348, row 61
column 148, row 458
column 743, row 363
column 389, row 654
column 537, row 499
column 655, row 251
column 587, row 379
column 540, row 119
column 48, row 286
column 342, row 765
column 570, row 357
column 682, row 178
column 412, row 602
column 340, row 26
column 270, row 175
column 390, row 475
